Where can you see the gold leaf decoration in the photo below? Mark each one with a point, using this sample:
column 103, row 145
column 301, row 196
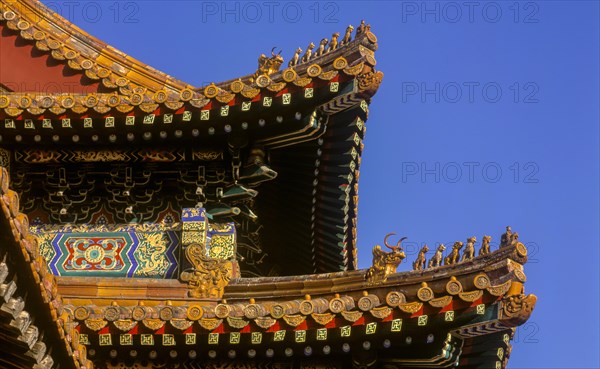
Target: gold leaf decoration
column 470, row 296
column 411, row 307
column 301, row 82
column 354, row 70
column 36, row 111
column 211, row 91
column 499, row 290
column 289, row 75
column 237, row 323
column 125, row 325
column 81, row 313
column 199, row 103
column 13, row 112
column 314, row 70
column 352, row 316
column 394, row 298
column 102, row 109
column 153, row 324
column 78, row 109
column 425, row 294
column 95, row 324
column 481, row 281
column 148, row 107
column 250, row 93
column 294, row 320
column 181, row 324
column 123, row 108
column 237, row 86
column 520, row 275
column 210, row 323
column 340, row 63
column 194, row 312
column 263, row 81
column 381, row 312
column 323, row 319
column 327, row 76
column 440, row 302
column 225, row 98
column 265, row 322
column 91, row 74
column 453, row 287
column 276, row 87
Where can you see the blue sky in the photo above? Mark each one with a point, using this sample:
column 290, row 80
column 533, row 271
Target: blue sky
column 488, row 116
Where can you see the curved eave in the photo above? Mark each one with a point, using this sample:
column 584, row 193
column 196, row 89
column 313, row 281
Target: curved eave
column 139, row 90
column 80, row 50
column 37, row 331
column 484, row 297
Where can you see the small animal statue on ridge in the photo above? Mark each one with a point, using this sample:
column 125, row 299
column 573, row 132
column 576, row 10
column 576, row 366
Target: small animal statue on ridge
column 321, row 49
column 420, row 263
column 308, row 53
column 438, row 257
column 485, row 245
column 385, row 263
column 295, row 58
column 469, row 252
column 333, row 44
column 269, row 65
column 361, row 28
column 347, row 35
column 454, row 255
column 506, row 238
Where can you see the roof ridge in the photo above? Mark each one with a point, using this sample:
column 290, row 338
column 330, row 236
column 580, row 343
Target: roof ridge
column 79, row 49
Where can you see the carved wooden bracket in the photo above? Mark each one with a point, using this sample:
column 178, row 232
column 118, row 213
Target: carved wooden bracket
column 516, row 309
column 209, row 276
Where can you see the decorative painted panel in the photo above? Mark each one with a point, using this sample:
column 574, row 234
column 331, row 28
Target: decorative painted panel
column 142, row 251
column 221, row 241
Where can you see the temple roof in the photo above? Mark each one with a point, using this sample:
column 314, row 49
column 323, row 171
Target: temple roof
column 113, row 85
column 71, row 46
column 461, row 314
column 311, row 116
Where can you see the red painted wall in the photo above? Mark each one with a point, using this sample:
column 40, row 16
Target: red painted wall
column 23, row 68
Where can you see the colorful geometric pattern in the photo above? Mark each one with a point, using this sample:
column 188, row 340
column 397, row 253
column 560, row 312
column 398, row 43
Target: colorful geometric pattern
column 221, row 241
column 218, row 238
column 144, row 251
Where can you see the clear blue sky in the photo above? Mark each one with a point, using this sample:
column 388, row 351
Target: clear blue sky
column 488, row 116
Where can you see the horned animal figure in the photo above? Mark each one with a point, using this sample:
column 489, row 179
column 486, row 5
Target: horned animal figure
column 469, row 252
column 269, row 65
column 333, row 44
column 485, row 245
column 454, row 255
column 385, row 263
column 437, row 258
column 348, row 35
column 308, row 53
column 420, row 264
column 322, row 45
column 295, row 58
